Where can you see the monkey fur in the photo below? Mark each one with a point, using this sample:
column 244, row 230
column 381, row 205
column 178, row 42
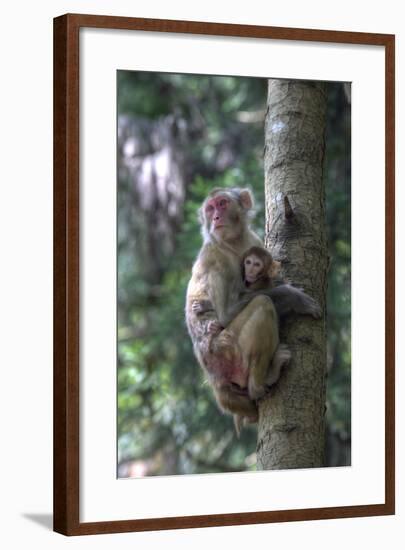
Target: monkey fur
column 286, row 298
column 242, row 360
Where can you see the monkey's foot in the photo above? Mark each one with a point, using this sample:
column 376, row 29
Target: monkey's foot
column 281, row 358
column 256, row 391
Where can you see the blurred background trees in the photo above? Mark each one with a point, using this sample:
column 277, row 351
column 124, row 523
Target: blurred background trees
column 178, row 137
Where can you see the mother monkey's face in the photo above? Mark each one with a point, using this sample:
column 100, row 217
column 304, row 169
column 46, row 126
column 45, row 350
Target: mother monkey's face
column 223, row 214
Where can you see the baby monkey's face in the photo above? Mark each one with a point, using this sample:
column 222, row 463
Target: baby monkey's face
column 253, row 268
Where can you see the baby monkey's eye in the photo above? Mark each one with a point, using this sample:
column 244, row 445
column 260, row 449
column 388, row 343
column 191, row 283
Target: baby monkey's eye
column 223, row 202
column 209, row 208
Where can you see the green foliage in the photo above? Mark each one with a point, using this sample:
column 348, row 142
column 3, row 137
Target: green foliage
column 168, row 421
column 338, row 211
column 164, row 405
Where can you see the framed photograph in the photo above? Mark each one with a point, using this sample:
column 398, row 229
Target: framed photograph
column 223, row 274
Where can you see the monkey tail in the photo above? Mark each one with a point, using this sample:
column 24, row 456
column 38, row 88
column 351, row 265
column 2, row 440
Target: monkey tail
column 238, row 423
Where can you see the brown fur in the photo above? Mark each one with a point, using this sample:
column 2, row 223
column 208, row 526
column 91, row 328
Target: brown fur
column 264, row 279
column 237, row 360
column 286, row 298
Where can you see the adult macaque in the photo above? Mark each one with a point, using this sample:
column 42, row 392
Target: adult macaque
column 242, row 360
column 260, row 276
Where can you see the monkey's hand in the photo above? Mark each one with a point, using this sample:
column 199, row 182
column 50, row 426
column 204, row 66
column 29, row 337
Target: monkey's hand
column 197, row 307
column 316, row 311
column 309, row 306
column 214, row 327
column 201, row 306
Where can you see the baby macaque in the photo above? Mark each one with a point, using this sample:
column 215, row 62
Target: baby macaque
column 259, row 270
column 260, row 276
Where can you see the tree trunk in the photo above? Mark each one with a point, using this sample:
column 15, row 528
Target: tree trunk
column 291, row 417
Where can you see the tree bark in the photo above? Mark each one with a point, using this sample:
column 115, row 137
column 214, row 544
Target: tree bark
column 291, row 417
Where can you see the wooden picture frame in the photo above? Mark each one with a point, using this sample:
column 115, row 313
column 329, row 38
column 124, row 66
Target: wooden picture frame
column 67, row 281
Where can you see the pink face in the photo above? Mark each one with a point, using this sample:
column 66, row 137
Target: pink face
column 253, row 268
column 216, row 211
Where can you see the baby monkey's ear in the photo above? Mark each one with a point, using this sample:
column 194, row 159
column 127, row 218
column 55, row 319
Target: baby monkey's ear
column 274, row 269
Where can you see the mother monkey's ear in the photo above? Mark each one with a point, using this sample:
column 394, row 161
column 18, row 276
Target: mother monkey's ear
column 246, row 199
